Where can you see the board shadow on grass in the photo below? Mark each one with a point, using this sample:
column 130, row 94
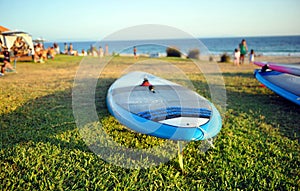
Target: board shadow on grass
column 42, row 119
column 49, row 120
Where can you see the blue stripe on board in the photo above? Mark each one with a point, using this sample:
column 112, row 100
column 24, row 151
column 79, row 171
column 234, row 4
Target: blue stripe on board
column 173, row 112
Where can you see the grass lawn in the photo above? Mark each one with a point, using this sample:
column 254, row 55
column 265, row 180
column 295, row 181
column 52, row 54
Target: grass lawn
column 42, row 149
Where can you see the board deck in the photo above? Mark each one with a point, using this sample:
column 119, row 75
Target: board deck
column 171, row 111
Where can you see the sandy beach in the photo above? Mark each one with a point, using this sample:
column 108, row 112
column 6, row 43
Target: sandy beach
column 279, row 59
column 229, row 67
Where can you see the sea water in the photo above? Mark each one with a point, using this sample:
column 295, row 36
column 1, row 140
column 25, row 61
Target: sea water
column 275, row 45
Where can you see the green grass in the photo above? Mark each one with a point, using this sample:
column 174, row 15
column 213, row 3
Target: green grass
column 42, row 149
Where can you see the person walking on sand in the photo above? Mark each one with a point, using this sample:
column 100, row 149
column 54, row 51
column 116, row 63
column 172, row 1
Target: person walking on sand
column 236, row 57
column 106, row 50
column 243, row 49
column 251, row 56
column 134, row 52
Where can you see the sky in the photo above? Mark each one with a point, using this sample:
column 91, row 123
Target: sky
column 60, row 20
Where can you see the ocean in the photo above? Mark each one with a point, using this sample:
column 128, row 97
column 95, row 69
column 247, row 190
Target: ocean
column 274, row 46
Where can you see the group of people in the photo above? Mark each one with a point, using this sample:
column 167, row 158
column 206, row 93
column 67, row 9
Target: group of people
column 41, row 54
column 68, row 50
column 94, row 52
column 241, row 52
column 20, row 47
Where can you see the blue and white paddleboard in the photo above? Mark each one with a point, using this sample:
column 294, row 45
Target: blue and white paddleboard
column 162, row 108
column 285, row 85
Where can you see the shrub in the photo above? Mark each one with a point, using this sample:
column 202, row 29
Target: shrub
column 225, row 58
column 194, row 53
column 173, row 52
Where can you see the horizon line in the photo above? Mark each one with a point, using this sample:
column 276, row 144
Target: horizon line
column 202, row 37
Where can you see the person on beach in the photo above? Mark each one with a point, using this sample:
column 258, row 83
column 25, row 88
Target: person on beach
column 18, row 47
column 51, row 53
column 251, row 56
column 106, row 53
column 134, row 52
column 93, row 51
column 70, row 51
column 44, row 53
column 100, row 52
column 83, row 53
column 38, row 53
column 243, row 49
column 65, row 48
column 6, row 62
column 236, row 57
column 90, row 51
column 56, row 48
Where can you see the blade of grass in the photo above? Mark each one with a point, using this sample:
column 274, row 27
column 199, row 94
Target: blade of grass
column 180, row 155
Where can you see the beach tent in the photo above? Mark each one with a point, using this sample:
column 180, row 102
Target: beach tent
column 8, row 38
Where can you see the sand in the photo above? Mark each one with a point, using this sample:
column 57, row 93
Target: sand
column 230, row 67
column 279, row 59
